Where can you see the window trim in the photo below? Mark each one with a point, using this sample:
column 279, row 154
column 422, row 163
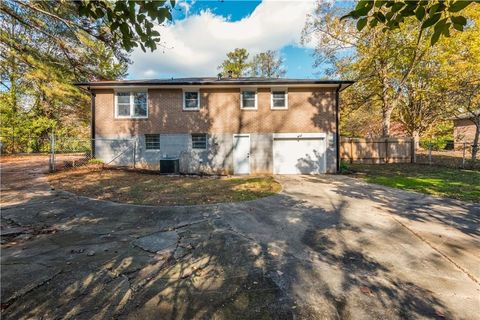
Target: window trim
column 285, row 90
column 132, row 104
column 206, row 141
column 241, row 98
column 185, row 90
column 152, row 134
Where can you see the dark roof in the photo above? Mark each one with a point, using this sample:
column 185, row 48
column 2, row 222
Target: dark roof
column 213, row 81
column 467, row 115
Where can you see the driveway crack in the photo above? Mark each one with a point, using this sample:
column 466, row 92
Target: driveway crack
column 445, row 256
column 22, row 293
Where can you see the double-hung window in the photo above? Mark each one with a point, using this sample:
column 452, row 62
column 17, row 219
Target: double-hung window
column 279, row 99
column 199, row 141
column 131, row 104
column 248, row 99
column 152, row 142
column 191, row 100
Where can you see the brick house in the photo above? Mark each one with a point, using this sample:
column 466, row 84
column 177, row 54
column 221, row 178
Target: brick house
column 218, row 125
column 464, row 129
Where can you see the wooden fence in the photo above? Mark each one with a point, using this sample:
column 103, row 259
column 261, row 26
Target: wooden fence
column 379, row 150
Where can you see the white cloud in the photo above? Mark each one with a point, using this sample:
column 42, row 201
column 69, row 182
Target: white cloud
column 185, row 6
column 196, row 45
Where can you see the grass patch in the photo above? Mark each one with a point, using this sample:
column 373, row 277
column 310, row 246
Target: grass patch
column 440, row 181
column 153, row 189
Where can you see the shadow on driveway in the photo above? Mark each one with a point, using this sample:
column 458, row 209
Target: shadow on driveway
column 320, row 249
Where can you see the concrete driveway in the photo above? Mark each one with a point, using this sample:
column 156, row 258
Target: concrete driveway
column 325, row 248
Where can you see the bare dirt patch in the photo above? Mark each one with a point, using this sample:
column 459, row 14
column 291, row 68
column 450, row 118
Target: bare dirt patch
column 153, row 189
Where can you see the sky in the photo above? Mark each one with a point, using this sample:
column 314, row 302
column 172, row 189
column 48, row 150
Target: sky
column 202, row 32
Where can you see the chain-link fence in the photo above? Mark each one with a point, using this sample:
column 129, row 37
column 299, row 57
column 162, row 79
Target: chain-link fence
column 459, row 156
column 69, row 152
column 120, row 152
column 28, row 144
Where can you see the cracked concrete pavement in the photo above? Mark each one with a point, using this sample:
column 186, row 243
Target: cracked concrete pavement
column 326, row 247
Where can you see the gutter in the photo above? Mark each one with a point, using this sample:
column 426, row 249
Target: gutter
column 92, row 121
column 210, row 84
column 337, row 124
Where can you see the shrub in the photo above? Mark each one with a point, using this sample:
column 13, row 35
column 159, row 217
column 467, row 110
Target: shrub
column 95, row 161
column 436, row 143
column 344, row 167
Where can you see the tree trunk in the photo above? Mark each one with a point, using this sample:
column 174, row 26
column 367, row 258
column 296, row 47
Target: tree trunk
column 416, row 139
column 475, row 140
column 386, row 119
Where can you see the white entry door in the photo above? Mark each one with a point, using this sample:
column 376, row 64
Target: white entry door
column 241, row 154
column 299, row 154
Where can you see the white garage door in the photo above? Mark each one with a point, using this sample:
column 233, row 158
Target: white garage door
column 299, row 154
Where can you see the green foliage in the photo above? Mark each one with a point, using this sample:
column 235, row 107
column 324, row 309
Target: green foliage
column 399, row 76
column 267, row 64
column 95, row 162
column 437, row 144
column 441, row 15
column 442, row 129
column 46, row 47
column 236, row 63
column 438, row 136
column 345, row 167
column 130, row 23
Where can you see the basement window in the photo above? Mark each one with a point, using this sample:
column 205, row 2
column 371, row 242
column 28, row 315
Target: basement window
column 199, row 141
column 152, row 142
column 131, row 105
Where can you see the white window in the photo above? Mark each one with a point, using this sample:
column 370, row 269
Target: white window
column 123, row 104
column 131, row 104
column 248, row 99
column 279, row 99
column 191, row 100
column 199, row 141
column 152, row 142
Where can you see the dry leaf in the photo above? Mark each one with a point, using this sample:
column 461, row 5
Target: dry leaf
column 366, row 290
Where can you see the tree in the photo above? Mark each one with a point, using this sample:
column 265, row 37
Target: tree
column 460, row 72
column 128, row 22
column 421, row 107
column 267, row 64
column 40, row 59
column 380, row 62
column 442, row 16
column 469, row 102
column 236, row 63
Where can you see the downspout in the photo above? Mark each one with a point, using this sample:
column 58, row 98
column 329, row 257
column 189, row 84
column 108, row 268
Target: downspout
column 92, row 121
column 337, row 124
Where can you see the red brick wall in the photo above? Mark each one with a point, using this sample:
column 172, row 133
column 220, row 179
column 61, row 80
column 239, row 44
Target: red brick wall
column 309, row 110
column 463, row 130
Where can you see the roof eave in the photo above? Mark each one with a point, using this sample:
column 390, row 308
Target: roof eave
column 343, row 83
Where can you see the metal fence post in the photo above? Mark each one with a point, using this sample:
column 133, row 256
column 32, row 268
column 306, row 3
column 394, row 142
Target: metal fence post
column 463, row 157
column 52, row 151
column 134, row 152
column 92, row 149
column 412, row 150
column 430, row 153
